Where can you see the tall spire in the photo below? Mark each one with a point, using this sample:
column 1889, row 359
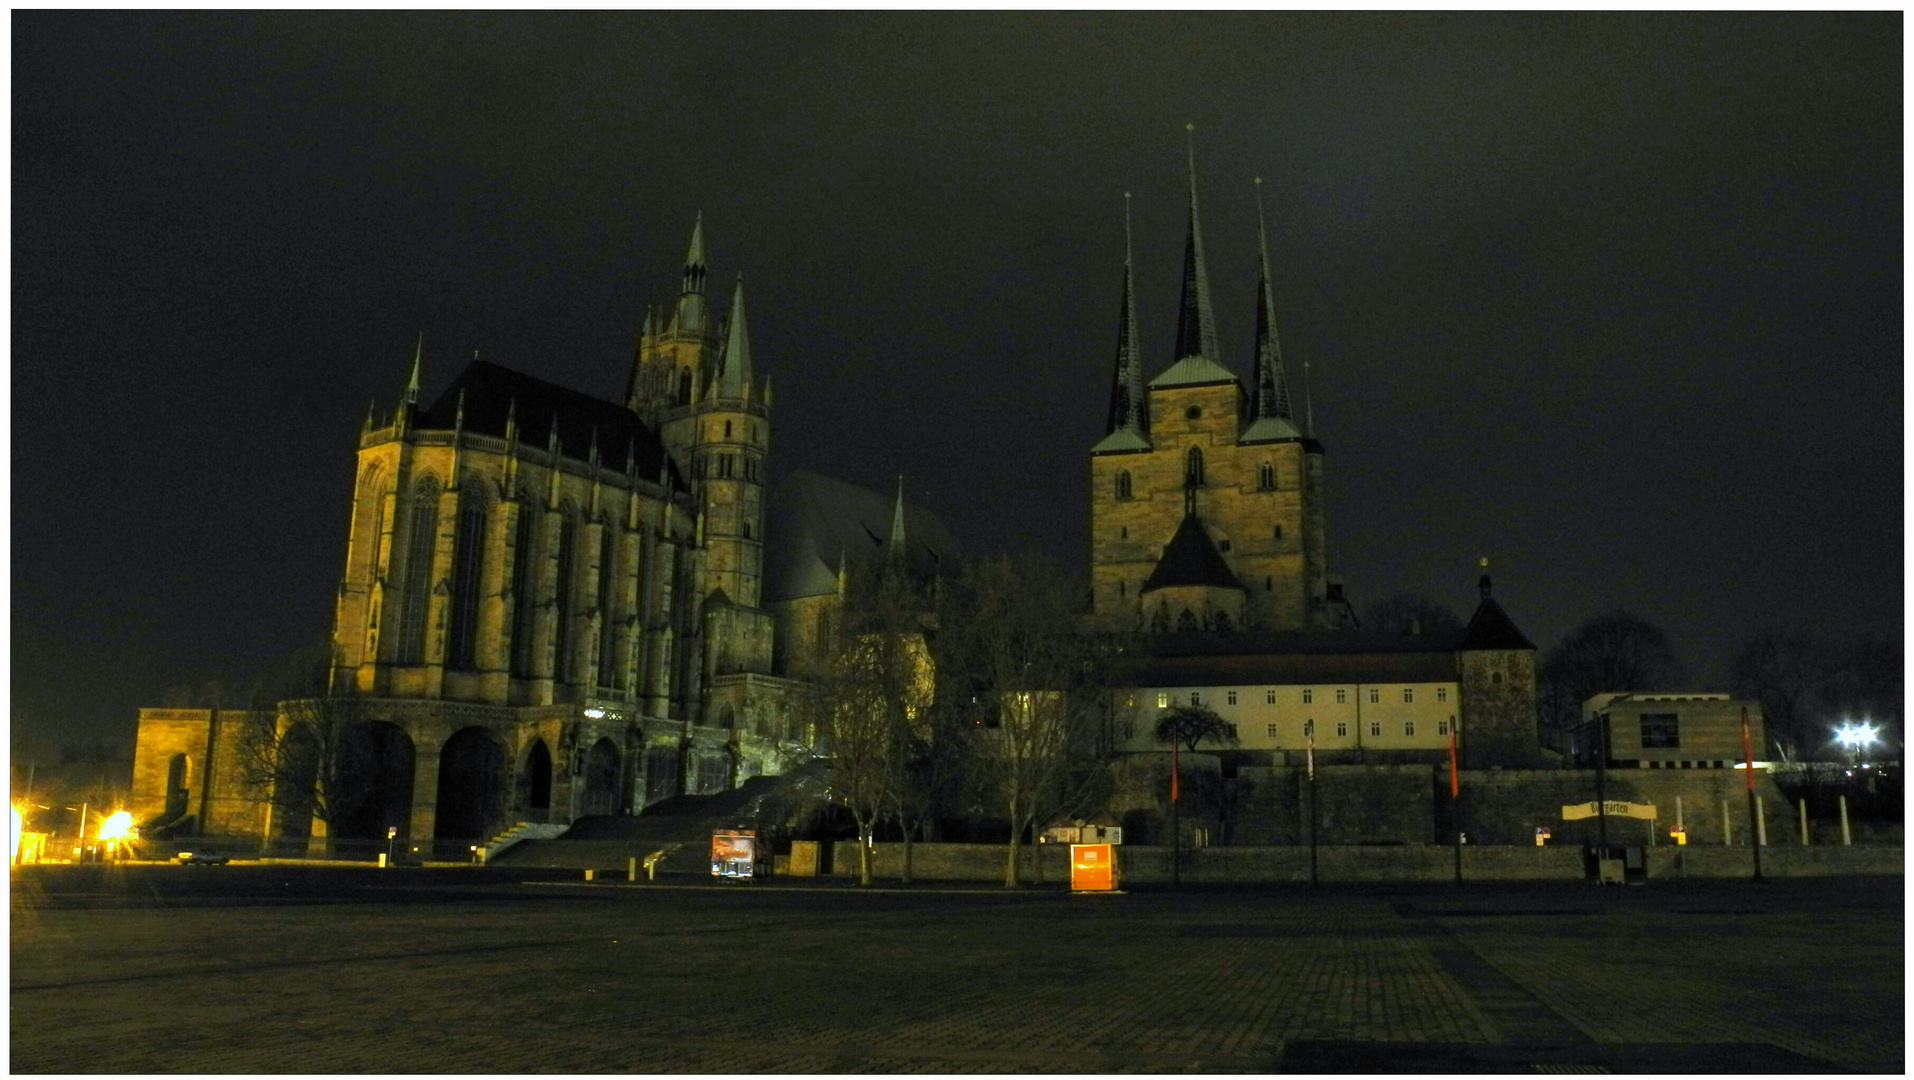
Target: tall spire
column 897, row 540
column 689, row 319
column 1272, row 382
column 1128, row 410
column 1195, row 321
column 1309, row 407
column 734, row 366
column 411, row 395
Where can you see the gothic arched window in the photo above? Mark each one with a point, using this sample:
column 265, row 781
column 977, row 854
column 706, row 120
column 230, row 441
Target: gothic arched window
column 607, row 601
column 422, row 526
column 468, row 557
column 563, row 638
column 1193, row 468
column 1186, row 622
column 1123, row 484
column 524, row 586
column 1266, row 477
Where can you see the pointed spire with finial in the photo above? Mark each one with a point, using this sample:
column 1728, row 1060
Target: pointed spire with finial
column 1272, row 383
column 1128, row 409
column 690, row 317
column 1195, row 320
column 843, row 575
column 1309, row 407
column 411, row 395
column 897, row 540
column 734, row 365
column 371, row 404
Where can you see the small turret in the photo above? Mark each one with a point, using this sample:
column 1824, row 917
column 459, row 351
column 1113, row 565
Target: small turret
column 897, row 542
column 734, row 364
column 1129, row 411
column 691, row 315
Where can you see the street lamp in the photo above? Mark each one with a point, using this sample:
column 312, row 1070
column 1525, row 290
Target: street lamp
column 1857, row 736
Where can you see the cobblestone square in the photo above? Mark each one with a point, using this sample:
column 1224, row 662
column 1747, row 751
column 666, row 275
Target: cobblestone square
column 302, row 969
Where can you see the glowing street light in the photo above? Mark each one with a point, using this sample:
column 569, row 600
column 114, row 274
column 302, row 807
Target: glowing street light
column 1856, row 736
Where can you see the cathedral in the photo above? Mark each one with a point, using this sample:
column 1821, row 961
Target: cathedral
column 555, row 606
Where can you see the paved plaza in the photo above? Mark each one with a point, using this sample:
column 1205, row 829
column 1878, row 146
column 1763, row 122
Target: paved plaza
column 301, row 969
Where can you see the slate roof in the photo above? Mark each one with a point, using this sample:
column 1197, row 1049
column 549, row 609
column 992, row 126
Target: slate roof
column 1191, row 559
column 1121, row 441
column 1268, row 429
column 1491, row 628
column 492, row 391
column 811, row 518
column 1195, row 370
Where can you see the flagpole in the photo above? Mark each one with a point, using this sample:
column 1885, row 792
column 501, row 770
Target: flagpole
column 1176, row 825
column 1455, row 803
column 1754, row 834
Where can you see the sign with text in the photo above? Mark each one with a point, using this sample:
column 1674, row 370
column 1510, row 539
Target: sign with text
column 1613, row 808
column 1092, row 867
column 733, row 853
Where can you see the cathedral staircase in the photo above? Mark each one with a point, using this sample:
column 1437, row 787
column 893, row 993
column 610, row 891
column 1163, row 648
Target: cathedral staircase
column 680, row 827
column 520, row 831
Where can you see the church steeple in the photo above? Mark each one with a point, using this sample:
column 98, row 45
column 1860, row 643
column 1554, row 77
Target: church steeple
column 1270, row 413
column 1129, row 426
column 690, row 317
column 734, row 365
column 1195, row 320
column 411, row 396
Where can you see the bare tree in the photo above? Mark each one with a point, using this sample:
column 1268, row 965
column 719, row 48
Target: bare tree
column 1783, row 671
column 1037, row 690
column 294, row 750
column 1191, row 725
column 1618, row 651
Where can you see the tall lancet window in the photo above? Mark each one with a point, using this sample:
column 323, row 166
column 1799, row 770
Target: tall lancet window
column 468, row 560
column 524, row 587
column 563, row 639
column 422, row 527
column 1266, row 477
column 1123, row 484
column 607, row 600
column 1193, row 468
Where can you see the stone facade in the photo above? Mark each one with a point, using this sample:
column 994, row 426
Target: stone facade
column 551, row 605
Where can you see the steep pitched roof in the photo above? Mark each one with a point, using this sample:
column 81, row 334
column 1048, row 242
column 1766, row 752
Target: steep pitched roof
column 492, row 392
column 1491, row 628
column 812, row 520
column 1191, row 559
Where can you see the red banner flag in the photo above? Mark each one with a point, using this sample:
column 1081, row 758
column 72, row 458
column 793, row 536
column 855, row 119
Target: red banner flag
column 1455, row 782
column 1173, row 772
column 1747, row 749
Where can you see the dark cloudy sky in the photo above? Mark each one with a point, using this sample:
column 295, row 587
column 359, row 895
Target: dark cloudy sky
column 1614, row 300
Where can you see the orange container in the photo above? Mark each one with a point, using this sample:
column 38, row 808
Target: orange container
column 1092, row 867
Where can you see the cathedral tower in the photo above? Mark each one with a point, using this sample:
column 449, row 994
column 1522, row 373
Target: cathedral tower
column 1206, row 505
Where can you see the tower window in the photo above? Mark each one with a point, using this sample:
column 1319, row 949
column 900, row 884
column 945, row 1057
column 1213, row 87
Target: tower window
column 727, row 429
column 1232, row 697
column 1222, row 545
column 1269, row 697
column 1342, row 727
column 1375, row 695
column 1123, row 533
column 747, row 530
column 1269, row 584
column 1123, row 588
column 1442, row 693
column 1123, row 484
column 1495, row 677
column 1193, row 468
column 1375, row 728
column 1194, row 412
column 1408, row 696
column 1266, row 477
column 1279, row 532
column 1408, row 727
column 1309, row 697
column 1342, row 697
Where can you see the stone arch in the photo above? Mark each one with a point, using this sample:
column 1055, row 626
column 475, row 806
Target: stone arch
column 471, row 781
column 179, row 778
column 374, row 784
column 727, row 719
column 602, row 774
column 535, row 779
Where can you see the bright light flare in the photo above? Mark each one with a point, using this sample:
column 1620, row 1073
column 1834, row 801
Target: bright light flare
column 117, row 826
column 1856, row 735
column 19, row 824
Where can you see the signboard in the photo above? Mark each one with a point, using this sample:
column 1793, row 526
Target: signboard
column 1092, row 868
column 1542, row 837
column 1645, row 811
column 733, row 853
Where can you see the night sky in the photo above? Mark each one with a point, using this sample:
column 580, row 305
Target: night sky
column 1614, row 300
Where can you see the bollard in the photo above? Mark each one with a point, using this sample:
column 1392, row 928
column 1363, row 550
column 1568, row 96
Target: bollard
column 1761, row 822
column 1846, row 839
column 1804, row 823
column 631, row 868
column 381, row 860
column 590, row 874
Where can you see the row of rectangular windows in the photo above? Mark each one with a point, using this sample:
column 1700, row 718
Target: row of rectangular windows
column 1375, row 728
column 1164, row 699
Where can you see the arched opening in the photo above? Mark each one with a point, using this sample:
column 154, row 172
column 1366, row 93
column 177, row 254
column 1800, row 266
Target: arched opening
column 467, row 562
column 727, row 719
column 1123, row 484
column 422, row 528
column 524, row 586
column 601, row 778
column 1266, row 477
column 176, row 790
column 535, row 783
column 294, row 781
column 471, row 773
column 1193, row 468
column 374, row 786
